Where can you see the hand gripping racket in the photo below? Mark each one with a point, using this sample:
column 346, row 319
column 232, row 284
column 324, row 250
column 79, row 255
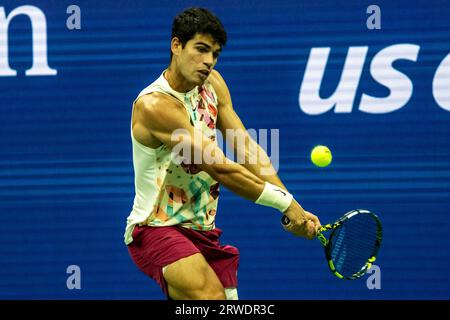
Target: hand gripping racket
column 353, row 243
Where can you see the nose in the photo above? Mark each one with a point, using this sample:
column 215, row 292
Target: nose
column 209, row 60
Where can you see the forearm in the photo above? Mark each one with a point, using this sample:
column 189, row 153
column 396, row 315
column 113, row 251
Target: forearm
column 244, row 183
column 214, row 162
column 256, row 169
column 258, row 162
column 239, row 180
column 264, row 169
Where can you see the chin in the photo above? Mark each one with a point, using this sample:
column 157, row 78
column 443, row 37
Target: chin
column 198, row 82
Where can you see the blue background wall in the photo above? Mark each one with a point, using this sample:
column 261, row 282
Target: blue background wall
column 66, row 179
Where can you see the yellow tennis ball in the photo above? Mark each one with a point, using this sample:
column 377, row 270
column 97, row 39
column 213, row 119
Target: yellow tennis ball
column 321, row 156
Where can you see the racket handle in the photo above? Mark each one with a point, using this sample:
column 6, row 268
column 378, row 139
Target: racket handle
column 285, row 220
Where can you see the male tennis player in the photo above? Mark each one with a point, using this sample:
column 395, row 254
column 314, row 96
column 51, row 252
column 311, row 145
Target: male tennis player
column 170, row 233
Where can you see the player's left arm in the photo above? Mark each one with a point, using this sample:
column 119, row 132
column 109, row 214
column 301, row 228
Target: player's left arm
column 255, row 158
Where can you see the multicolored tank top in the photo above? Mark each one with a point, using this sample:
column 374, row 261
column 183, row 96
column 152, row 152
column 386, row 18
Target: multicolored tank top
column 166, row 193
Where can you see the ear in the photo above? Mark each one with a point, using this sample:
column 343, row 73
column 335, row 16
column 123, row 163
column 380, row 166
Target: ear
column 176, row 46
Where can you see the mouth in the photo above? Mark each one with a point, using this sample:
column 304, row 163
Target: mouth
column 205, row 73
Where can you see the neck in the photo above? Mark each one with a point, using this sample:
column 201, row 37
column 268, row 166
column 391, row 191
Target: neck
column 176, row 80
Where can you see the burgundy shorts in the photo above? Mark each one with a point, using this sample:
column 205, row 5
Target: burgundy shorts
column 156, row 247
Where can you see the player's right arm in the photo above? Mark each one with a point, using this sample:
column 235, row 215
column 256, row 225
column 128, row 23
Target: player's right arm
column 160, row 117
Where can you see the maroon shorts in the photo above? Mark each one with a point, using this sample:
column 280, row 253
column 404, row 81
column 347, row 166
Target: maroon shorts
column 156, row 247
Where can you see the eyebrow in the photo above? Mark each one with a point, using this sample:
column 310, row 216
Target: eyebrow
column 207, row 45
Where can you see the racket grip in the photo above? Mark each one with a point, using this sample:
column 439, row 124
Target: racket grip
column 285, row 220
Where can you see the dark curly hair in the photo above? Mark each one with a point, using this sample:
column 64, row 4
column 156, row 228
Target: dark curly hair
column 198, row 20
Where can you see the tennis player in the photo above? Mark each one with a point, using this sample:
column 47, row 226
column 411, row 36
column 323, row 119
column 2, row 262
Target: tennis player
column 170, row 233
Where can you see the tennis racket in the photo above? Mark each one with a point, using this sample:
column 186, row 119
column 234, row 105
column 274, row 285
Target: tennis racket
column 352, row 245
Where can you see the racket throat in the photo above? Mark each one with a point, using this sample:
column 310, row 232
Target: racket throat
column 322, row 239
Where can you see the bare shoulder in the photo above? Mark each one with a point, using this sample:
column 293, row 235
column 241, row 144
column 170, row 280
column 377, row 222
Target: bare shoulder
column 158, row 109
column 216, row 79
column 155, row 104
column 220, row 87
column 155, row 114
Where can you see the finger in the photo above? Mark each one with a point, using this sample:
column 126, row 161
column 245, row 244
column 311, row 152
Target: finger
column 317, row 227
column 317, row 224
column 311, row 229
column 314, row 218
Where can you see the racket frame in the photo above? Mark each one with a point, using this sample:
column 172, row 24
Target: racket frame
column 327, row 244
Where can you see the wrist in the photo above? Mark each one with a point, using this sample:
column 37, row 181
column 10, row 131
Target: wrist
column 275, row 197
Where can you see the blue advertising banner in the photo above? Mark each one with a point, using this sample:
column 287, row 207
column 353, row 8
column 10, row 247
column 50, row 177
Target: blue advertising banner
column 369, row 80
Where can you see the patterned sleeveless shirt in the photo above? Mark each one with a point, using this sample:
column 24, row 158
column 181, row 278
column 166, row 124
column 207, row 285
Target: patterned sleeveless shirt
column 166, row 193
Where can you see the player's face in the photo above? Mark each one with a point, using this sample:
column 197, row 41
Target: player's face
column 197, row 58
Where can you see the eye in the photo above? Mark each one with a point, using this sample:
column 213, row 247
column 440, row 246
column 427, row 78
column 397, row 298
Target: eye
column 202, row 49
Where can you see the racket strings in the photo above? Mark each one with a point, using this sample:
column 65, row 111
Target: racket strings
column 353, row 243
